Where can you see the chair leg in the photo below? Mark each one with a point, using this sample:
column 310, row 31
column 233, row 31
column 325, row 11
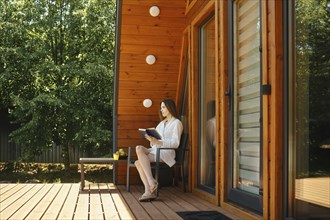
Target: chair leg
column 128, row 180
column 183, row 178
column 175, row 176
column 128, row 170
column 157, row 170
column 157, row 179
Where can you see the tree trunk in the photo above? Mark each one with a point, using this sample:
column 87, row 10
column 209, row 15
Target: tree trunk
column 66, row 157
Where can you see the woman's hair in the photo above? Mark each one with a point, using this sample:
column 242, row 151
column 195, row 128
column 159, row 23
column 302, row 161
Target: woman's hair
column 170, row 105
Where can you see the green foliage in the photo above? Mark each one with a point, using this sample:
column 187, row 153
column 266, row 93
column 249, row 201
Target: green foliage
column 53, row 173
column 56, row 72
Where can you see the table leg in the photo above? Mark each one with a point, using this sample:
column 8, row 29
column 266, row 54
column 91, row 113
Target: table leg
column 82, row 176
column 114, row 168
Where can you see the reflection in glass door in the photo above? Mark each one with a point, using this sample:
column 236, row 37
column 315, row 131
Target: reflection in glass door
column 207, row 138
column 309, row 110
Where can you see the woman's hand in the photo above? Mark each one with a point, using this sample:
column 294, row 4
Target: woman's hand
column 153, row 140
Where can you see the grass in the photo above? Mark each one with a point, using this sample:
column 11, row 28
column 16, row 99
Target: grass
column 53, row 173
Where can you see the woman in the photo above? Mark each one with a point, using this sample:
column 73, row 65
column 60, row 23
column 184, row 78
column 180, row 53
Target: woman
column 170, row 128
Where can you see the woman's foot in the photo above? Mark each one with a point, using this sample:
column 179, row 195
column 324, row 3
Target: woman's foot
column 147, row 197
column 153, row 188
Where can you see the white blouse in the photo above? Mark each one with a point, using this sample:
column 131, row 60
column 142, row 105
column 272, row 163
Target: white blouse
column 171, row 134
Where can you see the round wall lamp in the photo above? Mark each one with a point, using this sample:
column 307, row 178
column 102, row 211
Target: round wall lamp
column 154, row 11
column 147, row 103
column 151, row 59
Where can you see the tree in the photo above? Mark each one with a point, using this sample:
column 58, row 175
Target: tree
column 56, row 72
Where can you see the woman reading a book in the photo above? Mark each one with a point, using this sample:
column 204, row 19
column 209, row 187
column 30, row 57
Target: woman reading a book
column 170, row 129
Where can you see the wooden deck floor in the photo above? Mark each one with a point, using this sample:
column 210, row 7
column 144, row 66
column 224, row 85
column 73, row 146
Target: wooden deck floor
column 97, row 201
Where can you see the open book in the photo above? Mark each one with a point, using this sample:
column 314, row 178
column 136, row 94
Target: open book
column 151, row 132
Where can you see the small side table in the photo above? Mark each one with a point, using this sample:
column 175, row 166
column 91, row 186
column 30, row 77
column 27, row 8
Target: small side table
column 82, row 161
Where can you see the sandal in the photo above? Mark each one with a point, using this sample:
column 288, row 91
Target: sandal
column 154, row 188
column 147, row 198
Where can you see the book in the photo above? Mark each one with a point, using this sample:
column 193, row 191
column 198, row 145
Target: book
column 151, row 132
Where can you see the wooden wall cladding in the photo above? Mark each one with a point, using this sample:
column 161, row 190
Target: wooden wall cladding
column 142, row 35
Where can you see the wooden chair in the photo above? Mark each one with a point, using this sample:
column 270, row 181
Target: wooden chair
column 180, row 158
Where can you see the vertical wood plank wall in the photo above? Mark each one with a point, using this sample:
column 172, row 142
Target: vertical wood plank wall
column 142, row 35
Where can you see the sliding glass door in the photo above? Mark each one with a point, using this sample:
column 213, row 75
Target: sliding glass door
column 245, row 116
column 308, row 194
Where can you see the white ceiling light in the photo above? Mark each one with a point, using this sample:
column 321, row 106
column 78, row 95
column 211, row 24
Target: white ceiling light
column 147, row 103
column 151, row 59
column 154, row 11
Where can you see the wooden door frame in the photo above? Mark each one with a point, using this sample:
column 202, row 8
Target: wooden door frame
column 204, row 13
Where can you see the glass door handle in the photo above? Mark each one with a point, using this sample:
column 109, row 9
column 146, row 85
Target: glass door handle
column 228, row 94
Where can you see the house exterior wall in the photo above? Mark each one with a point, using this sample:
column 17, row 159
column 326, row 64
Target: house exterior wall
column 273, row 116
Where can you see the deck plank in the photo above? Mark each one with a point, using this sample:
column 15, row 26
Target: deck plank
column 32, row 202
column 109, row 207
column 55, row 207
column 10, row 191
column 166, row 210
column 196, row 201
column 82, row 207
column 69, row 205
column 121, row 206
column 95, row 202
column 167, row 205
column 98, row 201
column 170, row 202
column 189, row 198
column 175, row 196
column 150, row 208
column 3, row 186
column 20, row 200
column 44, row 204
column 133, row 203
